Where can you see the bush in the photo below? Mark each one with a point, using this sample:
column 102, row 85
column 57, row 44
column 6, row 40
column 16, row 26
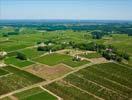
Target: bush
column 21, row 56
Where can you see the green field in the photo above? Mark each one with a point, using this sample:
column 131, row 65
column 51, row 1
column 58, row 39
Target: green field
column 102, row 81
column 14, row 45
column 54, row 59
column 32, row 53
column 34, row 94
column 17, row 62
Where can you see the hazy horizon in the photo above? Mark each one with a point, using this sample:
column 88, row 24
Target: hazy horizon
column 65, row 10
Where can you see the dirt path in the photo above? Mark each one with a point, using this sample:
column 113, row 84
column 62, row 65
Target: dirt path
column 23, row 48
column 13, row 97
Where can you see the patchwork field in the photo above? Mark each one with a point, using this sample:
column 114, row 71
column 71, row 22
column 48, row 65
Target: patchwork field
column 73, row 71
column 48, row 72
column 17, row 79
column 108, row 81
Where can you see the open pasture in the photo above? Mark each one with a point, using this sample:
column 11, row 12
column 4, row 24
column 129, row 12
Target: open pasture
column 54, row 59
column 17, row 62
column 32, row 53
column 14, row 45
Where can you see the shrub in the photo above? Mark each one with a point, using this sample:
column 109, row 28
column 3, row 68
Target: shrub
column 21, row 56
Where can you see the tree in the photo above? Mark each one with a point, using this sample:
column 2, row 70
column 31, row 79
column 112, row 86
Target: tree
column 125, row 56
column 21, row 56
column 97, row 34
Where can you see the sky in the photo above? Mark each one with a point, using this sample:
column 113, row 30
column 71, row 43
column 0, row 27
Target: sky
column 66, row 9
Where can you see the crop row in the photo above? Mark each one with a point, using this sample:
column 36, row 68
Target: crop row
column 68, row 92
column 93, row 88
column 113, row 77
column 92, row 76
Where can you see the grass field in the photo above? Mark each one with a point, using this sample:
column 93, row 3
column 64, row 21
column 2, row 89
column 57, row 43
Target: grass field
column 14, row 45
column 32, row 52
column 108, row 81
column 54, row 59
column 17, row 62
column 34, row 94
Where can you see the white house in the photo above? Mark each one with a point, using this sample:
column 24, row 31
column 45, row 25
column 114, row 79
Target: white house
column 3, row 53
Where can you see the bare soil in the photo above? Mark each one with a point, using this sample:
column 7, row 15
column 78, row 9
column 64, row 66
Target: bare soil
column 48, row 72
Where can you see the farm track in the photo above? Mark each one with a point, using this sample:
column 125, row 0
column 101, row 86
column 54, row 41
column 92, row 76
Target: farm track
column 46, row 82
column 30, row 47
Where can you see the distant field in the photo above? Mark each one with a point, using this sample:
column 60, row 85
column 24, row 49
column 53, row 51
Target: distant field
column 12, row 46
column 31, row 53
column 54, row 59
column 108, row 81
column 122, row 42
column 17, row 62
column 34, row 94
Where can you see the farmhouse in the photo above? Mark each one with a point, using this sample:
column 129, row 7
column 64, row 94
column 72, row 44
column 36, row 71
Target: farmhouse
column 42, row 44
column 3, row 53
